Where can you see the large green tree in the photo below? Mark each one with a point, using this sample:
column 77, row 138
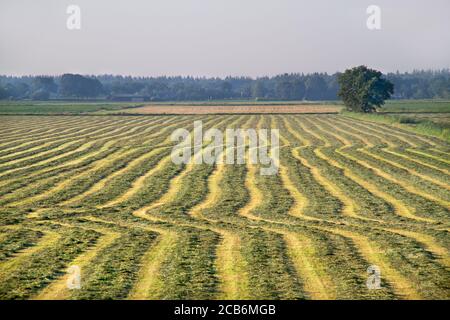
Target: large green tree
column 363, row 89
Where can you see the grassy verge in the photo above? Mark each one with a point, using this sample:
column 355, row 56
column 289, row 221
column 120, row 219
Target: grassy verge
column 411, row 106
column 421, row 126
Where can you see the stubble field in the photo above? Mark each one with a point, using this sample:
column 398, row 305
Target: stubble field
column 101, row 193
column 233, row 109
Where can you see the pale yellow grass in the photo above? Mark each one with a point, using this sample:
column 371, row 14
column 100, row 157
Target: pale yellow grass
column 66, row 183
column 445, row 160
column 149, row 283
column 58, row 290
column 429, row 243
column 408, row 187
column 300, row 200
column 399, row 207
column 349, row 206
column 49, row 239
column 61, row 147
column 138, row 184
column 230, row 265
column 410, row 171
column 317, row 283
column 230, row 109
column 104, row 182
column 376, row 256
column 422, row 163
column 383, row 134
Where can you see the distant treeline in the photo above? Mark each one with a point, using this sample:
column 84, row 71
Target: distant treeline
column 316, row 86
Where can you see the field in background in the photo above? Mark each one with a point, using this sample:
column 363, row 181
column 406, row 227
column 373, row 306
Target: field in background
column 101, row 193
column 220, row 106
column 440, row 118
column 416, row 106
column 58, row 107
column 234, row 109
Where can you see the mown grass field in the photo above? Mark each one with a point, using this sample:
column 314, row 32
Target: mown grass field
column 60, row 107
column 101, row 193
column 416, row 106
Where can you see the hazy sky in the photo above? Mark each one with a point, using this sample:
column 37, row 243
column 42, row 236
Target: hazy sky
column 221, row 37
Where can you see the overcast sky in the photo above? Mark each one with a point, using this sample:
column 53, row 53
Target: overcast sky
column 221, row 37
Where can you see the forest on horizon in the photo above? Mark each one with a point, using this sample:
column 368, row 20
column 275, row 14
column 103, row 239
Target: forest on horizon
column 425, row 84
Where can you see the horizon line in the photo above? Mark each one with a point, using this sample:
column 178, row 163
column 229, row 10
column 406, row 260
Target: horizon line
column 443, row 69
